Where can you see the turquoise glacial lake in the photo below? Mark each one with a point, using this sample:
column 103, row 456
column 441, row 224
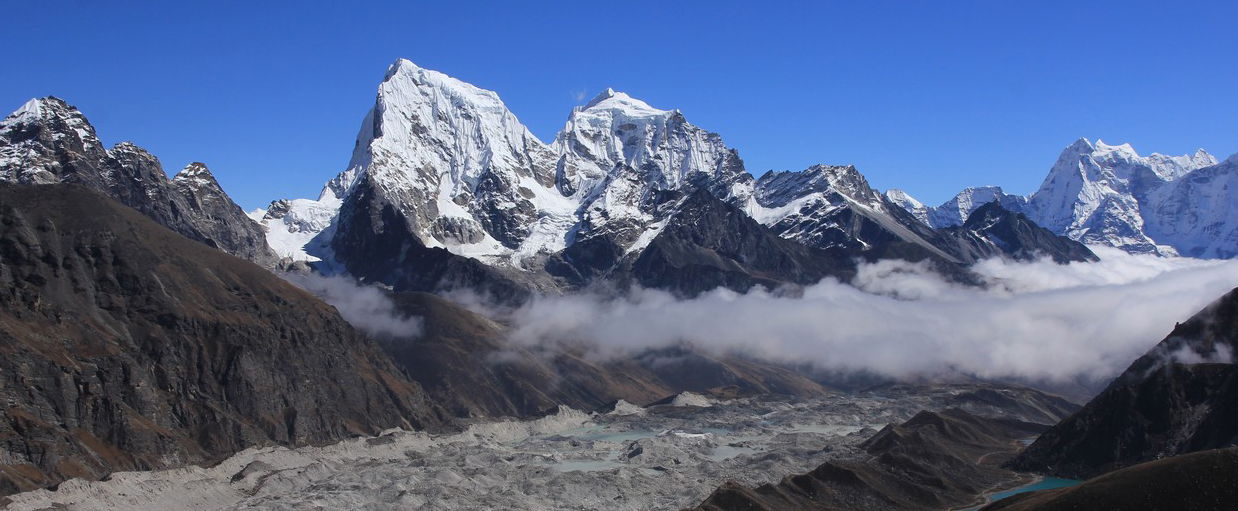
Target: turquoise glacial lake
column 1047, row 483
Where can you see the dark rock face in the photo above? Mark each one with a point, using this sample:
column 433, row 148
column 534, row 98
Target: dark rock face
column 1201, row 480
column 708, row 244
column 935, row 460
column 218, row 221
column 1180, row 397
column 126, row 346
column 464, row 362
column 994, row 231
column 374, row 242
column 50, row 141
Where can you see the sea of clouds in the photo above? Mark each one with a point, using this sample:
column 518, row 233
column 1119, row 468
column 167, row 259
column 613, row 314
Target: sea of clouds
column 1037, row 321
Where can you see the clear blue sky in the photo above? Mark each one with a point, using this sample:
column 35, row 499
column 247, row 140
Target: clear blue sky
column 925, row 96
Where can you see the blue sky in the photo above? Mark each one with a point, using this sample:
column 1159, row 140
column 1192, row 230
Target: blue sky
column 926, row 96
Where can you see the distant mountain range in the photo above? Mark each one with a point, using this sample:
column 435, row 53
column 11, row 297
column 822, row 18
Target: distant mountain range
column 1110, row 195
column 444, row 178
column 446, row 189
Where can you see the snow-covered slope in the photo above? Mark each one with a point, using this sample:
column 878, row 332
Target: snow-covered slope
column 904, row 200
column 292, row 226
column 1093, row 192
column 1197, row 213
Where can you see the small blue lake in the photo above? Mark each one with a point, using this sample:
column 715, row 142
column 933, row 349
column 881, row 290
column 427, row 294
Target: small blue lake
column 1047, row 483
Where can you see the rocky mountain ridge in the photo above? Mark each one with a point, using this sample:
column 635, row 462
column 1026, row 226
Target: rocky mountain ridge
column 48, row 141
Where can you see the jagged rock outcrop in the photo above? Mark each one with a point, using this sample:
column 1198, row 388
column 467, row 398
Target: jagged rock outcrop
column 1180, row 397
column 48, row 141
column 126, row 346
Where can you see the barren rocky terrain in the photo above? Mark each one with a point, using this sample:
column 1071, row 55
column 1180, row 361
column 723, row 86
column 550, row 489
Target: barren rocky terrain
column 666, row 456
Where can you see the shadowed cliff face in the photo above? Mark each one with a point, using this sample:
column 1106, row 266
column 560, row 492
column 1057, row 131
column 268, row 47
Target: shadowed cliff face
column 1180, row 397
column 125, row 346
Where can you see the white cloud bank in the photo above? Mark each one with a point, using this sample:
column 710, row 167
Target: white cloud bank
column 1038, row 321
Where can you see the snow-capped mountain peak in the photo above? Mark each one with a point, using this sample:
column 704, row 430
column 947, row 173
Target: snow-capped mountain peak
column 43, row 126
column 196, row 174
column 904, row 200
column 616, row 129
column 610, row 99
column 454, row 160
column 49, row 141
column 775, row 189
column 1123, row 149
column 45, row 110
column 425, row 117
column 1094, row 192
column 956, row 210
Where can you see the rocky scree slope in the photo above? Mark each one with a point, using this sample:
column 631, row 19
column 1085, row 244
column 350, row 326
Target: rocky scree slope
column 125, row 346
